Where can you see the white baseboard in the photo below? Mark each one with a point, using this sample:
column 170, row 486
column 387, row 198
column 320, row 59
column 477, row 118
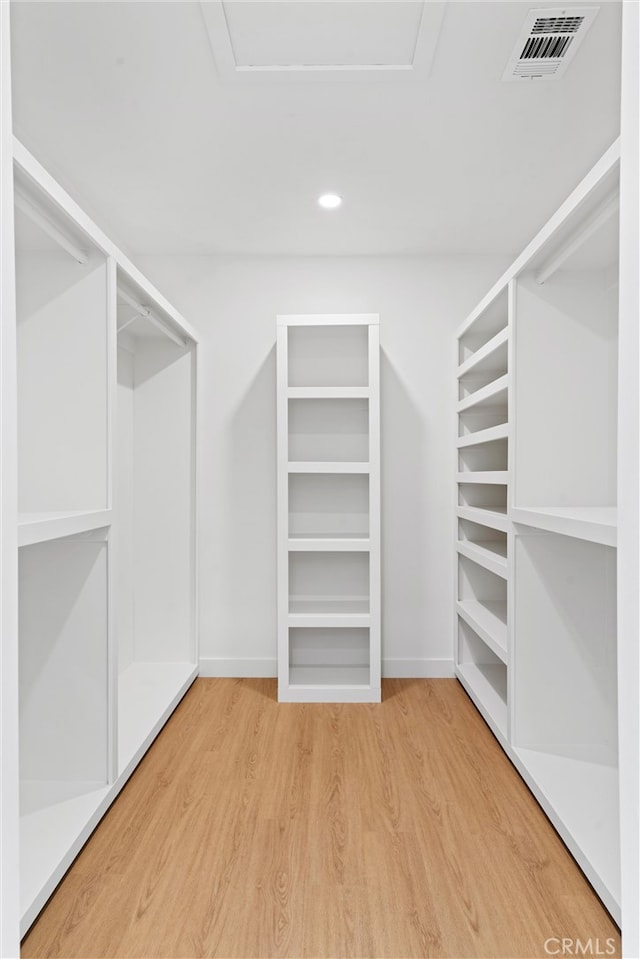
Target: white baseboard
column 244, row 667
column 418, row 669
column 249, row 667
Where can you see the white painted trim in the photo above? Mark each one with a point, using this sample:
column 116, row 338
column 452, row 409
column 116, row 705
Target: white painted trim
column 328, row 319
column 243, row 667
column 418, row 669
column 9, row 776
column 248, row 667
column 628, row 484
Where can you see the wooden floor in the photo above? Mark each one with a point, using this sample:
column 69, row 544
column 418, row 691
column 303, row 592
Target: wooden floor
column 258, row 829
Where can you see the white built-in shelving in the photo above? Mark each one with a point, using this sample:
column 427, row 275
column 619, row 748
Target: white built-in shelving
column 104, row 526
column 328, row 509
column 538, row 408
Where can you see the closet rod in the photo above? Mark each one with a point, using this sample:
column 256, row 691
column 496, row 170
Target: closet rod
column 593, row 223
column 145, row 313
column 27, row 207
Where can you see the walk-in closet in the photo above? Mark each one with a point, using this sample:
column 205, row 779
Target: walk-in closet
column 320, row 445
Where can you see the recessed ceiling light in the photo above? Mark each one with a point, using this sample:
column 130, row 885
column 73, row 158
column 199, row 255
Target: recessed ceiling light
column 330, row 201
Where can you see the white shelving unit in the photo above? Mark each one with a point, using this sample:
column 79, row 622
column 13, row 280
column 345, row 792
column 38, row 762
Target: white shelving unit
column 328, row 509
column 104, row 525
column 537, row 520
column 483, row 532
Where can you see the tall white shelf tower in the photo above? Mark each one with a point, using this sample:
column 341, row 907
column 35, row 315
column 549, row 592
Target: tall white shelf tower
column 328, row 508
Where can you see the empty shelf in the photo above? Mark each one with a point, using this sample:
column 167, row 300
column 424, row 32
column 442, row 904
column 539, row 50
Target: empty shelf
column 580, row 796
column 492, row 395
column 484, row 436
column 327, row 392
column 41, row 527
column 597, row 524
column 329, row 542
column 489, row 619
column 487, row 686
column 315, row 466
column 484, row 357
column 488, row 553
column 493, row 516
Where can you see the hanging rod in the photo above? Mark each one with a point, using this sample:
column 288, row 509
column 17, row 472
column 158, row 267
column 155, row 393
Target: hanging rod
column 27, row 207
column 593, row 223
column 145, row 313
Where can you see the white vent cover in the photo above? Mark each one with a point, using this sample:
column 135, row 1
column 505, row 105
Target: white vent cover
column 548, row 42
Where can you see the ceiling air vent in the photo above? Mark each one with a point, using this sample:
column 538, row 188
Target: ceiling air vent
column 548, row 42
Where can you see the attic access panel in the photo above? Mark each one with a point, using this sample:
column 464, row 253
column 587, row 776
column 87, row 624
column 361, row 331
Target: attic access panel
column 319, row 40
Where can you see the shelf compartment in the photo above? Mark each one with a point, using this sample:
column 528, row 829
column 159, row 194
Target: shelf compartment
column 329, row 648
column 493, row 395
column 63, row 675
column 596, row 524
column 490, row 555
column 488, row 618
column 484, row 676
column 580, row 796
column 62, row 338
column 491, row 357
column 484, row 436
column 328, row 583
column 41, row 527
column 153, row 532
column 565, row 634
column 328, row 544
column 328, row 505
column 484, row 477
column 571, row 461
column 491, row 456
column 496, row 518
column 483, row 326
column 484, row 503
column 328, row 467
column 328, row 392
column 55, row 822
column 485, row 367
column 328, row 355
column 331, row 430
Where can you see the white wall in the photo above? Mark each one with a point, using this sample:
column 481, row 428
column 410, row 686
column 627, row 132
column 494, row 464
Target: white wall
column 232, row 302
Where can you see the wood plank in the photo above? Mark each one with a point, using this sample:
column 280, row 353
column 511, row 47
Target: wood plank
column 258, row 829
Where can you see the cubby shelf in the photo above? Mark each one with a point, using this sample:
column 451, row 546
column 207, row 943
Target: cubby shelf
column 489, row 619
column 326, row 467
column 488, row 397
column 488, row 554
column 329, row 543
column 499, row 477
column 486, row 358
column 483, row 436
column 487, row 686
column 328, row 392
column 492, row 516
column 328, row 509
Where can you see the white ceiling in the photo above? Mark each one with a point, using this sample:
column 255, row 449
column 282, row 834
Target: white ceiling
column 126, row 105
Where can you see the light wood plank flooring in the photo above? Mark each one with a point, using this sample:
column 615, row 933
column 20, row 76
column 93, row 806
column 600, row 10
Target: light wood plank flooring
column 258, row 829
